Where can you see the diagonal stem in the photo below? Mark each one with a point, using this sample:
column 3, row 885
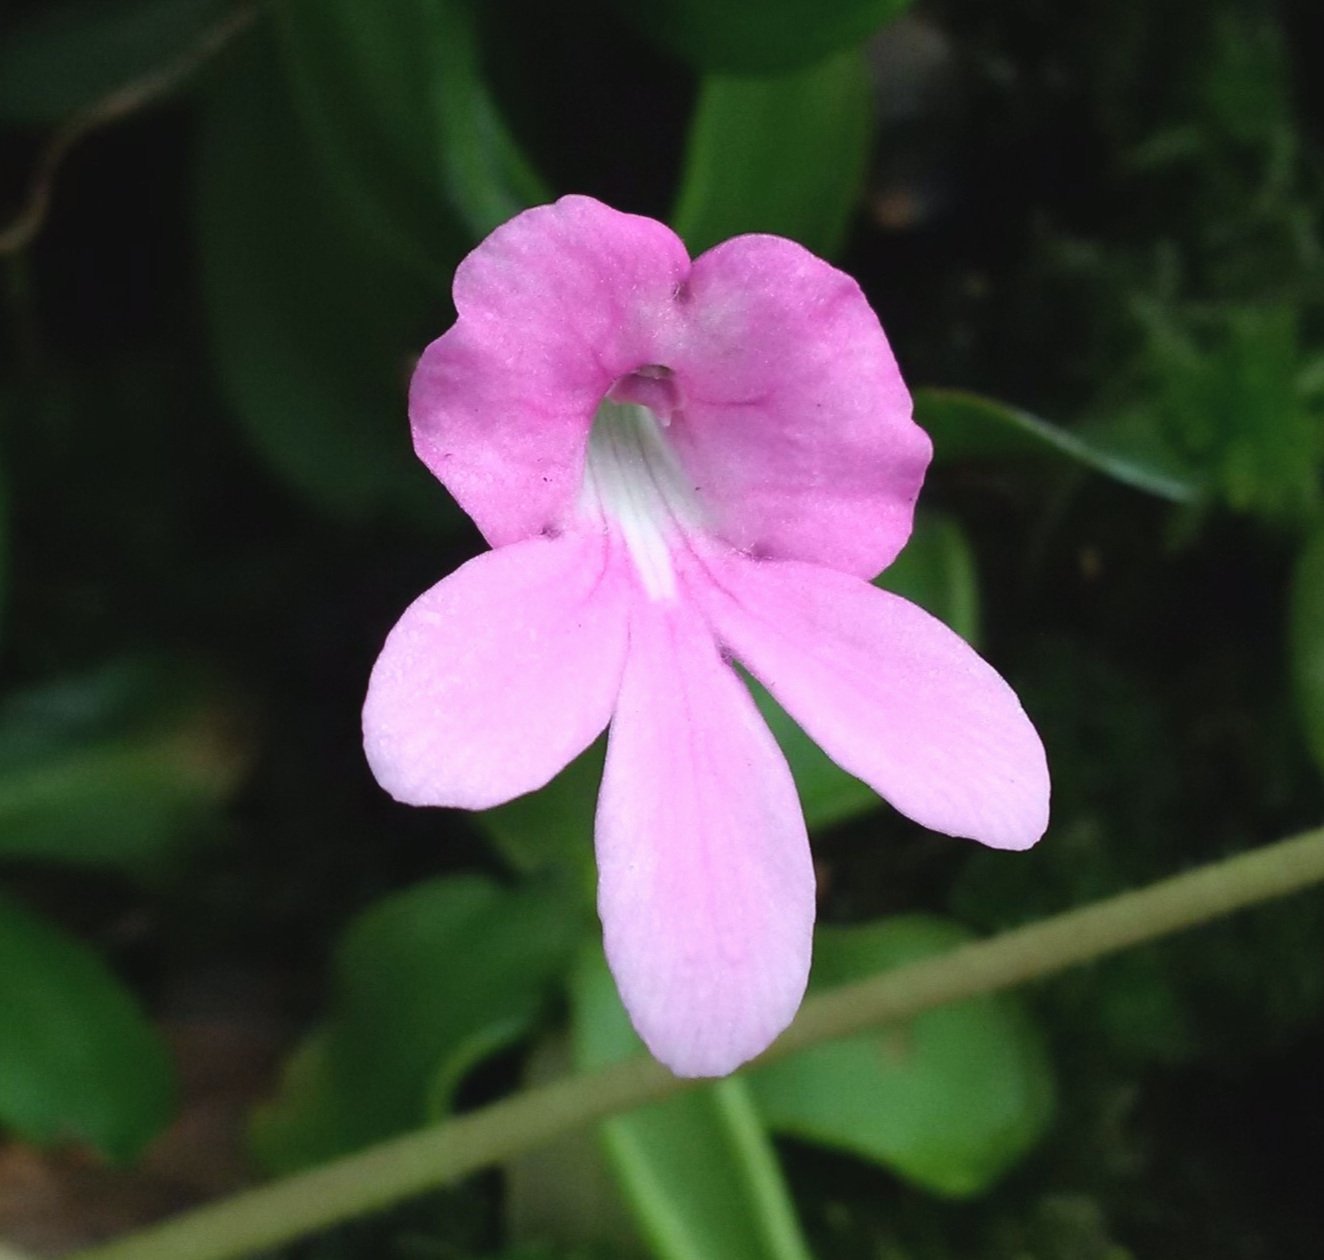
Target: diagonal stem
column 393, row 1170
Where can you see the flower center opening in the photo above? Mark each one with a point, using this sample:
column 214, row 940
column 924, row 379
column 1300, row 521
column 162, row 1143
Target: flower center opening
column 634, row 482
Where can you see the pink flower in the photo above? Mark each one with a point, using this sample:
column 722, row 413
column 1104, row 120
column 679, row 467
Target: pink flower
column 678, row 464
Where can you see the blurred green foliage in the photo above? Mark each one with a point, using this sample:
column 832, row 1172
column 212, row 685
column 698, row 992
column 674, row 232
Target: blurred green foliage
column 62, row 57
column 283, row 279
column 746, row 132
column 115, row 768
column 1108, row 215
column 950, row 1101
column 427, row 983
column 758, row 36
column 78, row 1059
column 699, row 1170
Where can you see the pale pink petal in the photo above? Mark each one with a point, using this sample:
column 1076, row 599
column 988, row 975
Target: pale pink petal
column 795, row 424
column 553, row 307
column 887, row 691
column 500, row 674
column 706, row 888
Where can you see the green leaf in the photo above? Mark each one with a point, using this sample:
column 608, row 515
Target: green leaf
column 78, row 1061
column 113, row 768
column 936, row 571
column 314, row 330
column 426, row 983
column 433, row 979
column 699, row 1170
column 61, row 57
column 487, row 177
column 304, row 1123
column 552, row 828
column 828, row 795
column 966, row 426
column 758, row 36
column 949, row 1101
column 398, row 113
column 364, row 87
column 785, row 155
column 1306, row 641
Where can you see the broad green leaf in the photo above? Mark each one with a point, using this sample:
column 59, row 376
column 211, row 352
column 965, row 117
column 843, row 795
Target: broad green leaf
column 393, row 100
column 1306, row 641
column 78, row 1060
column 61, row 57
column 699, row 1170
column 314, row 330
column 552, row 828
column 426, row 983
column 785, row 154
column 967, row 426
column 949, row 1101
column 936, row 571
column 304, row 1122
column 757, row 36
column 828, row 795
column 114, row 768
column 486, row 176
column 364, row 81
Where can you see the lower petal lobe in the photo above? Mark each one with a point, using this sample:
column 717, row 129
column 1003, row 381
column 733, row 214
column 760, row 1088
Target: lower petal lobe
column 888, row 692
column 706, row 887
column 499, row 675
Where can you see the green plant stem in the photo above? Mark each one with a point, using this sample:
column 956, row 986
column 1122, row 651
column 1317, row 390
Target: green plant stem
column 393, row 1170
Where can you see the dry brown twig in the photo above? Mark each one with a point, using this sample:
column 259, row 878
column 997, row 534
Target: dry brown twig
column 124, row 101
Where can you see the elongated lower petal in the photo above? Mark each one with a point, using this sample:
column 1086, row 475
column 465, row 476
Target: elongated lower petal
column 500, row 674
column 888, row 692
column 706, row 888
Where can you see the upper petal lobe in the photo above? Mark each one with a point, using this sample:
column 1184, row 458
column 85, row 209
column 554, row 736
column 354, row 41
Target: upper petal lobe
column 790, row 415
column 553, row 307
column 500, row 674
column 795, row 425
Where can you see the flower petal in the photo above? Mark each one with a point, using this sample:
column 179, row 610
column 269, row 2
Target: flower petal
column 889, row 693
column 796, row 425
column 553, row 307
column 706, row 887
column 499, row 675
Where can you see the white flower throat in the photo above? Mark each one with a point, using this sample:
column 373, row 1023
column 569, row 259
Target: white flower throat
column 635, row 483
